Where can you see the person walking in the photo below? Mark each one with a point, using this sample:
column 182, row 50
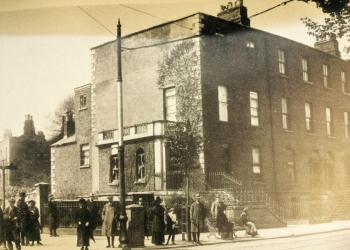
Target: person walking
column 34, row 224
column 83, row 225
column 171, row 224
column 23, row 217
column 109, row 225
column 197, row 216
column 94, row 216
column 11, row 225
column 53, row 217
column 247, row 223
column 157, row 216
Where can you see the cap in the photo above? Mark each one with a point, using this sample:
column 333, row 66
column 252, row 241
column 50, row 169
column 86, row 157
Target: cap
column 22, row 194
column 197, row 196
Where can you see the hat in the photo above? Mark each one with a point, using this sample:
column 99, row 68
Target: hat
column 110, row 198
column 197, row 196
column 31, row 201
column 245, row 209
column 140, row 198
column 158, row 199
column 22, row 194
column 171, row 209
column 82, row 201
column 217, row 196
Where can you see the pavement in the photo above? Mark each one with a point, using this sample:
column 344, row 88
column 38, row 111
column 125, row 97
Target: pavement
column 68, row 242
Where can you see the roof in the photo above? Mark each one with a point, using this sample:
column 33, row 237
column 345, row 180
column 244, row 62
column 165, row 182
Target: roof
column 64, row 141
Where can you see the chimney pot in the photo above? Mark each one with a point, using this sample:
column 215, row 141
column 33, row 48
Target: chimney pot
column 329, row 45
column 236, row 13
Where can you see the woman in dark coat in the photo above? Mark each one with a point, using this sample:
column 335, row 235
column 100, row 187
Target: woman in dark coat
column 11, row 226
column 83, row 221
column 157, row 216
column 34, row 224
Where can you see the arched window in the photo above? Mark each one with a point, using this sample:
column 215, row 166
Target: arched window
column 140, row 165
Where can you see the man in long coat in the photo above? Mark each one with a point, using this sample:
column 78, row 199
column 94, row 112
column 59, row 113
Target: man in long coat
column 23, row 216
column 53, row 217
column 109, row 218
column 94, row 216
column 157, row 216
column 197, row 216
column 83, row 222
column 11, row 226
column 34, row 224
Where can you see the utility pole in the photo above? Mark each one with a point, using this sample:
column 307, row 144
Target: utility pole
column 123, row 238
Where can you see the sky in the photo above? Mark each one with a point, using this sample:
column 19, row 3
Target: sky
column 45, row 44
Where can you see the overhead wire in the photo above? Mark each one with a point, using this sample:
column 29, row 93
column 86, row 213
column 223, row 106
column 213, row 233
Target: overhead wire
column 273, row 7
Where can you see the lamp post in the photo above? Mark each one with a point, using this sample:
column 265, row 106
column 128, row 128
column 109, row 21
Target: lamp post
column 3, row 168
column 123, row 238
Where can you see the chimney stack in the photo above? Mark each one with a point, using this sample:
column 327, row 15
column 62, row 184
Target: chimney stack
column 68, row 124
column 29, row 129
column 329, row 45
column 236, row 13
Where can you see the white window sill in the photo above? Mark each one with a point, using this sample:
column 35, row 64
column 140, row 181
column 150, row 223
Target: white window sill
column 140, row 182
column 115, row 183
column 85, row 166
column 346, row 93
column 288, row 131
column 328, row 88
column 84, row 108
column 283, row 75
column 331, row 137
column 310, row 133
column 310, row 83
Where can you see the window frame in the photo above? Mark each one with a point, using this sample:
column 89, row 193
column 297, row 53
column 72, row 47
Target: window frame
column 308, row 119
column 84, row 155
column 346, row 124
column 282, row 62
column 252, row 110
column 329, row 122
column 140, row 168
column 258, row 163
column 223, row 103
column 343, row 80
column 170, row 116
column 285, row 113
column 325, row 74
column 82, row 102
column 305, row 69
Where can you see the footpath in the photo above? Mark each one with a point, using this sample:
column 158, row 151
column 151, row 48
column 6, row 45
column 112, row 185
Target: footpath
column 68, row 242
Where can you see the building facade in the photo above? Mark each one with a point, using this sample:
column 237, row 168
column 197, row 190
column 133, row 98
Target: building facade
column 273, row 113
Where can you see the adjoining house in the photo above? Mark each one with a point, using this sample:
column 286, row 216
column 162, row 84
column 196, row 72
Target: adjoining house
column 30, row 153
column 273, row 113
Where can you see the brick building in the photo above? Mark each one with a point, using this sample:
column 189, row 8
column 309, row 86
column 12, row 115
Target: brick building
column 274, row 113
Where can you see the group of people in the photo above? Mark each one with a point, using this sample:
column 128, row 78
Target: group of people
column 19, row 223
column 224, row 226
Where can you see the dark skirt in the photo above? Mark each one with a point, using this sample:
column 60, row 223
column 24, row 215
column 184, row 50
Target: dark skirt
column 33, row 233
column 158, row 238
column 83, row 234
column 11, row 231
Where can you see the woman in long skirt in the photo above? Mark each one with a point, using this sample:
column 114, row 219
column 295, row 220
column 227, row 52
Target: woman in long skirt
column 157, row 216
column 83, row 221
column 34, row 224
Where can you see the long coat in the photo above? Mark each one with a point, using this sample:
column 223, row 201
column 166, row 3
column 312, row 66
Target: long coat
column 83, row 230
column 197, row 216
column 157, row 216
column 34, row 225
column 11, row 227
column 53, row 215
column 23, row 215
column 109, row 217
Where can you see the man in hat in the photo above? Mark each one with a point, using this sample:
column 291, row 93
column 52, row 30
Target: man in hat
column 23, row 217
column 94, row 215
column 197, row 216
column 83, row 222
column 53, row 216
column 11, row 226
column 145, row 216
column 157, row 216
column 109, row 218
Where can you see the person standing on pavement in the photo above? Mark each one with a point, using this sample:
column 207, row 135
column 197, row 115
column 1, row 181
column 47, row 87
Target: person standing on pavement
column 145, row 217
column 197, row 216
column 171, row 224
column 53, row 217
column 109, row 218
column 11, row 225
column 94, row 215
column 34, row 224
column 23, row 216
column 83, row 223
column 157, row 216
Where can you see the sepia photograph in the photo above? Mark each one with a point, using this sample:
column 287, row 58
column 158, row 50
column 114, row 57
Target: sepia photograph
column 175, row 124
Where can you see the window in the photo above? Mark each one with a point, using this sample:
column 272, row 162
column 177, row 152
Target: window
column 329, row 122
column 250, row 44
column 254, row 109
column 291, row 170
column 346, row 124
column 140, row 165
column 256, row 160
column 285, row 113
column 222, row 97
column 114, row 165
column 170, row 104
column 282, row 61
column 304, row 64
column 84, row 155
column 325, row 76
column 308, row 117
column 83, row 102
column 344, row 83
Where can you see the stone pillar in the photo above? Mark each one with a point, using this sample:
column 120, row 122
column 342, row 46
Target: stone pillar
column 42, row 190
column 135, row 225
